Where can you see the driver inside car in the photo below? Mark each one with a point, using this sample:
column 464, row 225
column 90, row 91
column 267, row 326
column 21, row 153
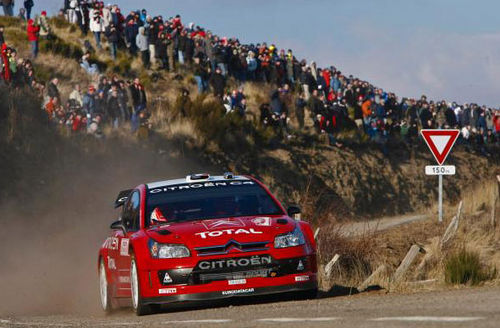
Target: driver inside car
column 157, row 217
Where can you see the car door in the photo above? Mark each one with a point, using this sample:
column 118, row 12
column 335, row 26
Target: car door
column 130, row 219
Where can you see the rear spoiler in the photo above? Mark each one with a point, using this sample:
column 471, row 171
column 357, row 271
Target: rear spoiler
column 122, row 197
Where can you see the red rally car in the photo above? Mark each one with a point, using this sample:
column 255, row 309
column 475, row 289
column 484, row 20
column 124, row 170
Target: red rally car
column 203, row 238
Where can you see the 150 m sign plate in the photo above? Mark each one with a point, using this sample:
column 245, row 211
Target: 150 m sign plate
column 440, row 170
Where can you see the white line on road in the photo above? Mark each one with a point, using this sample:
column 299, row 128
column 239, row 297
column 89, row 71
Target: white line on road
column 41, row 324
column 199, row 321
column 433, row 319
column 298, row 319
column 118, row 323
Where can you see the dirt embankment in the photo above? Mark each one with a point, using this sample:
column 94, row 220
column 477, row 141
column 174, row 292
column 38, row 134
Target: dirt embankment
column 363, row 183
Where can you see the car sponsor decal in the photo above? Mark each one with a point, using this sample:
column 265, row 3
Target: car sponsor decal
column 111, row 243
column 167, row 290
column 218, row 233
column 239, row 262
column 237, row 282
column 223, row 223
column 124, row 247
column 111, row 263
column 301, row 278
column 264, row 221
column 200, row 185
column 124, row 279
column 238, row 291
column 167, row 279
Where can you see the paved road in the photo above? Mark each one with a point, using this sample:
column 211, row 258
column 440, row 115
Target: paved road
column 478, row 307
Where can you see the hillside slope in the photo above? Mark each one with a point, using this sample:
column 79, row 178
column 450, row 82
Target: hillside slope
column 358, row 180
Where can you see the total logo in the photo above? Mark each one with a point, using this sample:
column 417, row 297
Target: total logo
column 218, row 233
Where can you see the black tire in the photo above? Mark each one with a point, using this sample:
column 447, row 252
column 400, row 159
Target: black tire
column 108, row 303
column 138, row 305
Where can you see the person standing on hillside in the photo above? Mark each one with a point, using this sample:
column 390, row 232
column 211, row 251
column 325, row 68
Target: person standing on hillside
column 96, row 23
column 200, row 74
column 8, row 7
column 170, row 53
column 252, row 65
column 152, row 32
column 33, row 31
column 71, row 12
column 141, row 41
column 28, row 4
column 82, row 14
column 139, row 102
column 113, row 36
column 43, row 22
column 2, row 40
column 161, row 50
column 218, row 83
column 76, row 96
column 300, row 104
column 52, row 90
column 113, row 110
column 89, row 102
column 131, row 31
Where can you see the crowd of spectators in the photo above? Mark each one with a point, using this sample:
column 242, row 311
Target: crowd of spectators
column 335, row 102
column 324, row 99
column 112, row 101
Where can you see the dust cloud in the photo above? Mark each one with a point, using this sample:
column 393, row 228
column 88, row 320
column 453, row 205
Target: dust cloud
column 50, row 237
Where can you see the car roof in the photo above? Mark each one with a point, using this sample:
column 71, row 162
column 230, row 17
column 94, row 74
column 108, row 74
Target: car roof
column 172, row 182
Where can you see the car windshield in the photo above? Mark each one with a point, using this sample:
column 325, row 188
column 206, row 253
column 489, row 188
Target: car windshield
column 209, row 200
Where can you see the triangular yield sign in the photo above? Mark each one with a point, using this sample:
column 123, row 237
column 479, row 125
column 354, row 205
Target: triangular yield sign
column 440, row 142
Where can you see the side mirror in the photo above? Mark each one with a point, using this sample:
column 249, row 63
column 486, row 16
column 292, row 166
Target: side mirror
column 294, row 211
column 118, row 225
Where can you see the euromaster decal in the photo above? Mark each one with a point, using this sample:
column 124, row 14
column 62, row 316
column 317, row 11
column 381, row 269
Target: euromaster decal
column 238, row 291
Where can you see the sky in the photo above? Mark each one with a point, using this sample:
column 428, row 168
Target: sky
column 446, row 49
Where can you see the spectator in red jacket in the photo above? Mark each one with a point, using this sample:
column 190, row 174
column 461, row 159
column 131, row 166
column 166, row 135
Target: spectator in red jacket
column 496, row 122
column 5, row 63
column 33, row 31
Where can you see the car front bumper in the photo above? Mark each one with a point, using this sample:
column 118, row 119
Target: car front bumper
column 221, row 289
column 282, row 275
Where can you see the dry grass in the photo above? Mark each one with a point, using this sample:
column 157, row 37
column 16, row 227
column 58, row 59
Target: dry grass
column 356, row 256
column 363, row 254
column 67, row 70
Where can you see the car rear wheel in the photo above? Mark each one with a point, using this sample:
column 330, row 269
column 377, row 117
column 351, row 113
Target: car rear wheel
column 104, row 289
column 137, row 304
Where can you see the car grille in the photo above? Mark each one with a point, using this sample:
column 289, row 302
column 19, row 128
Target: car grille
column 234, row 268
column 224, row 249
column 209, row 277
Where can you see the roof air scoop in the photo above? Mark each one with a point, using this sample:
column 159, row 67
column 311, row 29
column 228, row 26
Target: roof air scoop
column 228, row 175
column 197, row 177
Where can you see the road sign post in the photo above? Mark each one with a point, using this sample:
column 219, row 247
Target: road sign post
column 440, row 142
column 440, row 199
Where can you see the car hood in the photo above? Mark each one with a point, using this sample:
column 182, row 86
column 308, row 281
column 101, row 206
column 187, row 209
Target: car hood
column 203, row 233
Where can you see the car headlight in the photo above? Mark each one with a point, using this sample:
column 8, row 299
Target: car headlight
column 167, row 251
column 294, row 238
